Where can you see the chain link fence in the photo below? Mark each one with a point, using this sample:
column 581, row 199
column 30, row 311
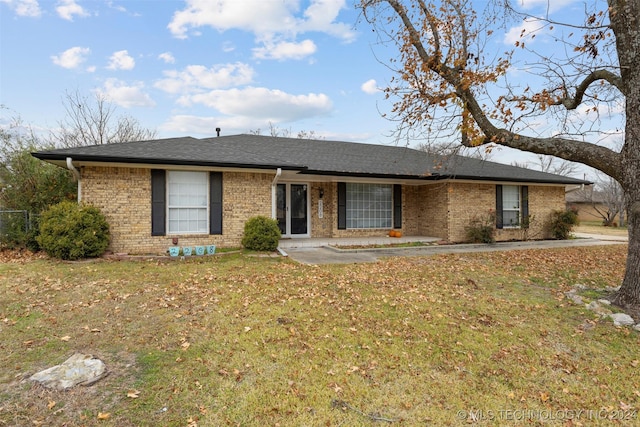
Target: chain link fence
column 16, row 226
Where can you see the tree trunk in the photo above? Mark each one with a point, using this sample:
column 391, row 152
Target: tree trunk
column 625, row 21
column 629, row 294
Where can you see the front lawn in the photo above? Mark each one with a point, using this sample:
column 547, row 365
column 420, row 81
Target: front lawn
column 236, row 340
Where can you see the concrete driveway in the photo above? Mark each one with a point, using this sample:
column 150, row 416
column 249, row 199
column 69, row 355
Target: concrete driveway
column 331, row 255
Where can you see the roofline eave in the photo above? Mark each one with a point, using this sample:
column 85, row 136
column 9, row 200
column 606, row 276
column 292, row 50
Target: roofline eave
column 159, row 161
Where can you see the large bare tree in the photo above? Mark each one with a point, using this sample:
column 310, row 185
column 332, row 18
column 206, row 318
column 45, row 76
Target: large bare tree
column 451, row 72
column 93, row 121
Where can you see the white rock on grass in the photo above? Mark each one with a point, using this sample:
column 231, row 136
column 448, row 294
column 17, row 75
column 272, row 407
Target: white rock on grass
column 79, row 369
column 598, row 309
column 622, row 319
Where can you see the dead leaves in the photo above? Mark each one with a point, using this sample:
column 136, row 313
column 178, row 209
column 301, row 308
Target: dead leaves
column 19, row 256
column 447, row 326
column 103, row 416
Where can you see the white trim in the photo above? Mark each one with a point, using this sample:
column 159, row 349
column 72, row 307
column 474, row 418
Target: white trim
column 274, row 186
column 287, row 233
column 296, row 176
column 168, row 206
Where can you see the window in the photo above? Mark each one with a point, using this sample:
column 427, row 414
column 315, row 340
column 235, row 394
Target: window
column 369, row 205
column 187, row 195
column 511, row 205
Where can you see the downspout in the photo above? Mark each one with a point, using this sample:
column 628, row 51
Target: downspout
column 76, row 174
column 273, row 193
column 274, row 201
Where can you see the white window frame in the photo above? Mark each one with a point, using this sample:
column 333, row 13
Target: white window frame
column 361, row 215
column 186, row 180
column 507, row 208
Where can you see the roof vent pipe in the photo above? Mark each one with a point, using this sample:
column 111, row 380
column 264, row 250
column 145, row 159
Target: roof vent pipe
column 217, row 131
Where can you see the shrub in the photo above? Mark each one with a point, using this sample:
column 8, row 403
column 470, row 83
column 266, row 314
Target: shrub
column 70, row 231
column 562, row 223
column 481, row 229
column 261, row 234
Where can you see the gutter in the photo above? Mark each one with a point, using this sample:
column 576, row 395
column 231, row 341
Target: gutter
column 76, row 174
column 273, row 192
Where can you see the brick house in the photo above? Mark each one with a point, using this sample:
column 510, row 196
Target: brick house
column 202, row 191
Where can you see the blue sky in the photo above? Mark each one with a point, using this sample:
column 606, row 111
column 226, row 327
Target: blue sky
column 187, row 67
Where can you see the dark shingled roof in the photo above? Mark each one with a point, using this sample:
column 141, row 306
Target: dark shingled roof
column 318, row 157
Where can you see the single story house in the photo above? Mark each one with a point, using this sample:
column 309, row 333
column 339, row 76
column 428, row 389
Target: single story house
column 592, row 204
column 202, row 191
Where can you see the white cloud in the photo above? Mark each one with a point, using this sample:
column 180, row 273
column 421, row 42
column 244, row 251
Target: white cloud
column 263, row 103
column 526, row 31
column 117, row 7
column 196, row 78
column 121, row 60
column 257, row 16
column 190, row 125
column 285, row 50
column 167, row 57
column 68, row 8
column 321, row 15
column 280, row 20
column 71, row 58
column 124, row 95
column 370, row 87
column 28, row 8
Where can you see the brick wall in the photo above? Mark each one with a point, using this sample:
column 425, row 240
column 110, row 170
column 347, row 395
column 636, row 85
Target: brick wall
column 439, row 210
column 124, row 196
column 468, row 200
column 244, row 195
column 425, row 210
column 323, row 227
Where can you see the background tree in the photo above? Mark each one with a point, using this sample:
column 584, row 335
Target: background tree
column 93, row 121
column 26, row 183
column 612, row 199
column 550, row 164
column 276, row 131
column 448, row 149
column 448, row 76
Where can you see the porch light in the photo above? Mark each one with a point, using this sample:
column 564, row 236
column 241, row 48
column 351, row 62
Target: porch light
column 321, row 193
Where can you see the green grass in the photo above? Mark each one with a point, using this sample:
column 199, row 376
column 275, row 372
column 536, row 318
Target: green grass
column 250, row 341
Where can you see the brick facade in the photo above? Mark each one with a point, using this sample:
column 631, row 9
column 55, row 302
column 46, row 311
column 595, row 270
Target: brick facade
column 468, row 200
column 124, row 196
column 439, row 209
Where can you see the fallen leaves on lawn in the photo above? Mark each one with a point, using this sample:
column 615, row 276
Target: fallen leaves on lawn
column 104, row 415
column 365, row 327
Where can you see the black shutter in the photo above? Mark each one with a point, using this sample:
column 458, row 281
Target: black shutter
column 342, row 206
column 215, row 203
column 499, row 206
column 524, row 204
column 397, row 206
column 158, row 202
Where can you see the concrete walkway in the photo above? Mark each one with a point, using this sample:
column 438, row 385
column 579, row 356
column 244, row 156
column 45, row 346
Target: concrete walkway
column 332, row 255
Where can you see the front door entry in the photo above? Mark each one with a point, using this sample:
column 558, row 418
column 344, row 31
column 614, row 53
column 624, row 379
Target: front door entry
column 292, row 209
